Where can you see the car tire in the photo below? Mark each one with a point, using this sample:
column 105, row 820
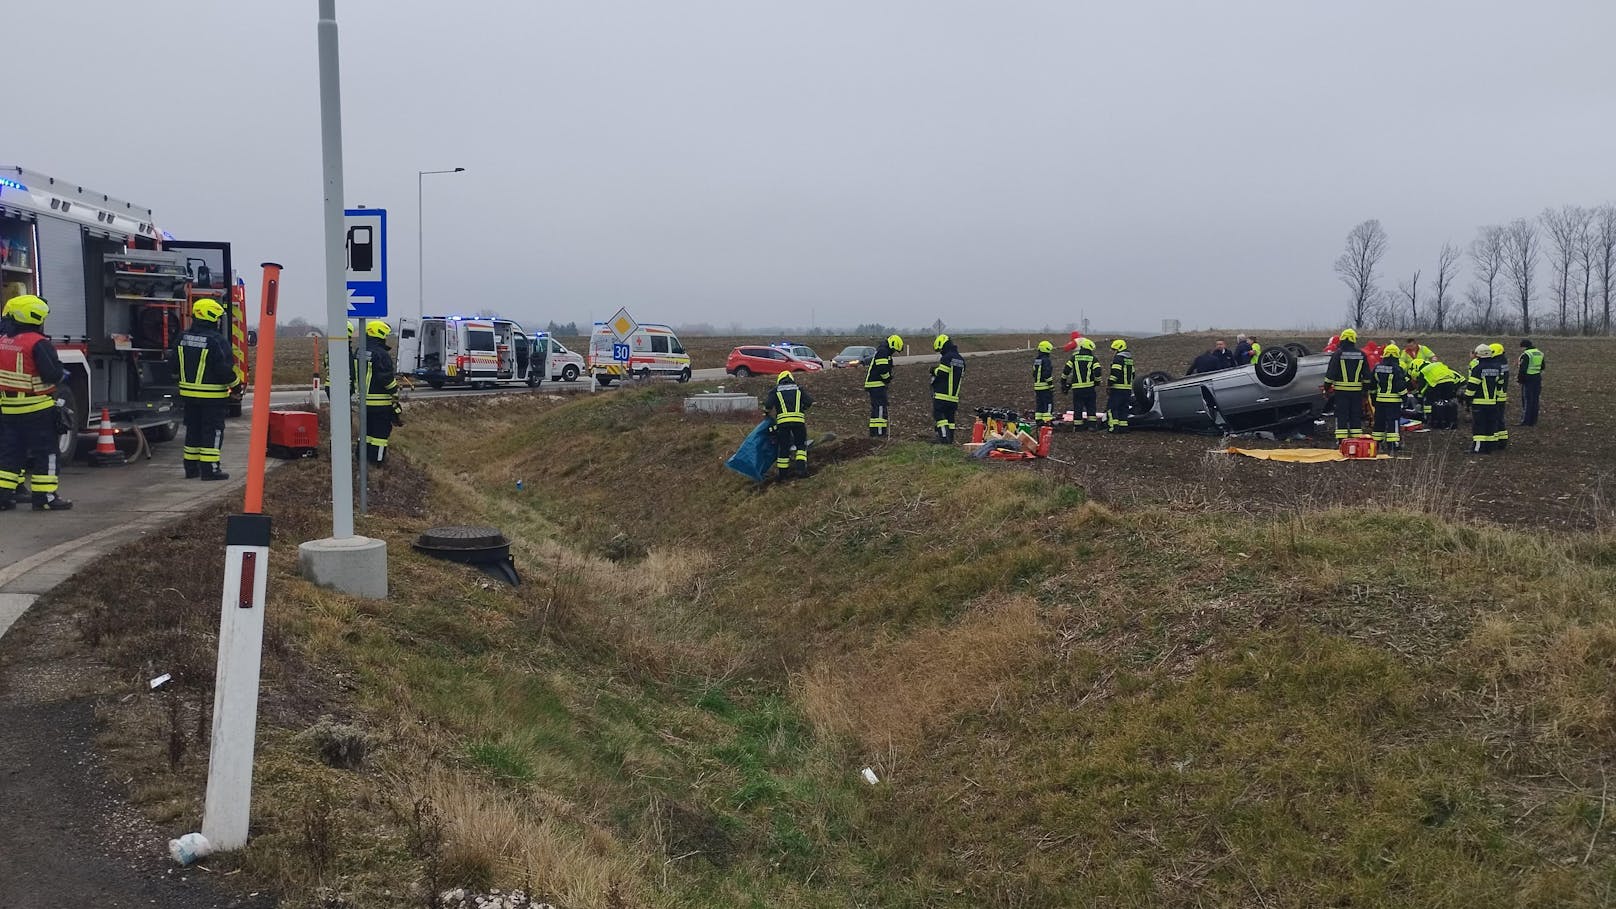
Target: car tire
column 532, row 381
column 67, row 441
column 1158, row 377
column 741, row 372
column 437, row 384
column 163, row 433
column 684, row 374
column 1298, row 350
column 644, row 374
column 1144, row 395
column 1276, row 367
column 604, row 380
column 569, row 373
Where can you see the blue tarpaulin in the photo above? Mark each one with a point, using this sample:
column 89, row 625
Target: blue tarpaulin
column 755, row 457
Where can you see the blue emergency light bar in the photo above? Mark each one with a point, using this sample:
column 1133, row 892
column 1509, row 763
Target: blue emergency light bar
column 12, row 184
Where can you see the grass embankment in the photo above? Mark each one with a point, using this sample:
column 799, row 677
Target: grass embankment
column 1066, row 704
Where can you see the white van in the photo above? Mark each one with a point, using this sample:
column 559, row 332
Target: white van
column 654, row 350
column 564, row 365
column 470, row 351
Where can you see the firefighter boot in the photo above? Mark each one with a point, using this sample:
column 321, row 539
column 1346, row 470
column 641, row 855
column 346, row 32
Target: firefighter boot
column 211, row 471
column 801, row 467
column 193, row 469
column 50, row 501
column 7, row 502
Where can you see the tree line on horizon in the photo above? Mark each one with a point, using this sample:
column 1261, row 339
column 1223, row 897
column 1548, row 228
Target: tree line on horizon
column 1576, row 244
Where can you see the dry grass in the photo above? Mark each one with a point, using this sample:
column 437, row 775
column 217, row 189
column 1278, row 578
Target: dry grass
column 892, row 695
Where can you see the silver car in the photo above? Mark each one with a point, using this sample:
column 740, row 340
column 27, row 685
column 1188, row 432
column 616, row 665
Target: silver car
column 1283, row 389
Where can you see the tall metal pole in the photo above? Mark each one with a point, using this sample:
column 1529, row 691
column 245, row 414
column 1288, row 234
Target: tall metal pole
column 336, row 291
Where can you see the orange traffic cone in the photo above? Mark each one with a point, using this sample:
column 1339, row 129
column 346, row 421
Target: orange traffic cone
column 106, row 452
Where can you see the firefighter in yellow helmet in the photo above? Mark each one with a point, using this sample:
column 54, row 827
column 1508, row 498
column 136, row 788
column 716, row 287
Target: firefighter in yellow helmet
column 1079, row 376
column 1346, row 375
column 29, row 373
column 1043, row 384
column 787, row 406
column 378, row 382
column 1390, row 380
column 876, row 379
column 1495, row 353
column 946, row 377
column 1119, row 387
column 206, row 374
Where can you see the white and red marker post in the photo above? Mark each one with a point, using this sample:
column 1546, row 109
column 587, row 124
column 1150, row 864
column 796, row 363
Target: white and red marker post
column 241, row 615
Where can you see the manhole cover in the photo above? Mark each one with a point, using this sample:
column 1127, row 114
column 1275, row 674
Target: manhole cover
column 461, row 537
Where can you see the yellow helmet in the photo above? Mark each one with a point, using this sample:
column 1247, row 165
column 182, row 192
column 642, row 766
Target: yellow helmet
column 376, row 328
column 207, row 309
column 29, row 310
column 1045, row 347
column 1086, row 343
column 1119, row 344
column 895, row 342
column 5, row 311
column 784, row 376
column 1349, row 334
column 1391, row 348
column 350, row 330
column 1496, row 349
column 938, row 342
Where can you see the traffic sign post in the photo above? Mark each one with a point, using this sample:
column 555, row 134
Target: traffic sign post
column 365, row 242
column 622, row 324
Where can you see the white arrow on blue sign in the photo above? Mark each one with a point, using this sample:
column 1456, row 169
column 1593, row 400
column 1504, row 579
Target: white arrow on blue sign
column 365, row 250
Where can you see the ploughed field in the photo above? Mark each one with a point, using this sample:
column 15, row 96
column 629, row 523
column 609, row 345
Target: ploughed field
column 1558, row 474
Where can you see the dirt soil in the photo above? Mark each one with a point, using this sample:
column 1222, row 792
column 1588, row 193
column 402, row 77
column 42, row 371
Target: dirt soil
column 1555, row 475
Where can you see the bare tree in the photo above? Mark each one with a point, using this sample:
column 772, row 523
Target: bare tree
column 1487, row 254
column 1410, row 292
column 1447, row 270
column 1366, row 246
column 1587, row 249
column 1520, row 263
column 1563, row 226
column 1605, row 258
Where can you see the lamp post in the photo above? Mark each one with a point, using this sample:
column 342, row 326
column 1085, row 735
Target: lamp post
column 420, row 243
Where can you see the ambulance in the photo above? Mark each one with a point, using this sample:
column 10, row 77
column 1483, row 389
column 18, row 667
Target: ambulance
column 653, row 351
column 470, row 352
column 120, row 291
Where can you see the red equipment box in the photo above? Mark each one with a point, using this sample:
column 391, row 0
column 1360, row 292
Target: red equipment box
column 1358, row 447
column 293, row 434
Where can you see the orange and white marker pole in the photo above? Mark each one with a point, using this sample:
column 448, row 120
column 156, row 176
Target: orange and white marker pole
column 241, row 615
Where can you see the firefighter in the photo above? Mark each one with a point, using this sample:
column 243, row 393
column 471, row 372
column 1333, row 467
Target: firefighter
column 1078, row 377
column 1043, row 384
column 1119, row 387
column 29, row 372
column 788, row 407
column 946, row 378
column 207, row 373
column 876, row 380
column 1391, row 382
column 380, row 385
column 1532, row 364
column 1495, row 353
column 1482, row 390
column 1439, row 387
column 1346, row 375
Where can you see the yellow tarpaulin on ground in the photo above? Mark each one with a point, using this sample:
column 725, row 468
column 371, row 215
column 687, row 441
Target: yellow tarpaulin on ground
column 1300, row 455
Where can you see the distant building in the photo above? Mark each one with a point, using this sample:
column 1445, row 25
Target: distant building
column 1170, row 326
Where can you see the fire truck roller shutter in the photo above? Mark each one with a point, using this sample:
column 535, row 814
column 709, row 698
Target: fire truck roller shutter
column 60, row 263
column 96, row 284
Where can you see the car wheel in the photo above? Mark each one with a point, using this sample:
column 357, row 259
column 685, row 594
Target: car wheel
column 684, row 374
column 437, row 384
column 1144, row 394
column 1158, row 377
column 1276, row 367
column 569, row 373
column 532, row 381
column 604, row 380
column 1297, row 350
column 67, row 437
column 644, row 374
column 741, row 372
column 164, row 433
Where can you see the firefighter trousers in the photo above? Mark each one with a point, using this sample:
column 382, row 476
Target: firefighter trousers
column 878, row 410
column 1085, row 405
column 378, row 429
column 1118, row 402
column 1348, row 414
column 28, row 439
column 1388, row 415
column 1441, row 409
column 204, row 433
column 1485, row 422
column 791, row 448
column 942, row 415
column 1044, row 405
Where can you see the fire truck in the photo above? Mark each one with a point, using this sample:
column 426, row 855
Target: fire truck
column 120, row 291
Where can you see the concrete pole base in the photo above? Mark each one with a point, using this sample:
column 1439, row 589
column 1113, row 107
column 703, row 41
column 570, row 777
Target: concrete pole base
column 353, row 565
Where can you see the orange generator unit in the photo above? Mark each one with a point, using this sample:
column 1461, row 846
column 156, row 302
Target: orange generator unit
column 293, row 434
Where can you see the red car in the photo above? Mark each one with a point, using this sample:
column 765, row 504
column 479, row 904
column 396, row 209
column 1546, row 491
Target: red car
column 762, row 360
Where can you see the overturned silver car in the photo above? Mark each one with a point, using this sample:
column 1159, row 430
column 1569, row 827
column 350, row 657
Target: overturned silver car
column 1283, row 390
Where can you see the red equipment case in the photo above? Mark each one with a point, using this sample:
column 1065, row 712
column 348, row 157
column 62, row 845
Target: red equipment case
column 293, row 434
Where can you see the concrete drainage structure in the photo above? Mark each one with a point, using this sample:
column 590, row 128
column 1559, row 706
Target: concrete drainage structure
column 720, row 402
column 353, row 565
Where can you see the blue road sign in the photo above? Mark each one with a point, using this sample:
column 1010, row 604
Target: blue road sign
column 622, row 352
column 365, row 246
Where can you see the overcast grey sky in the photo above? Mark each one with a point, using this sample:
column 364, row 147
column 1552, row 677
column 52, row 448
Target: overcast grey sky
column 991, row 163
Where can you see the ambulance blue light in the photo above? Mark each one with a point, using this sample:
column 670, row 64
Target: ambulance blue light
column 12, row 184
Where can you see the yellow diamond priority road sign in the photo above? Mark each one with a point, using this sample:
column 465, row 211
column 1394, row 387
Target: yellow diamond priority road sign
column 622, row 324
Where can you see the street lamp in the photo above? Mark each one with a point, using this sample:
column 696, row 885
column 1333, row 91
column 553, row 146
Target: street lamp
column 420, row 244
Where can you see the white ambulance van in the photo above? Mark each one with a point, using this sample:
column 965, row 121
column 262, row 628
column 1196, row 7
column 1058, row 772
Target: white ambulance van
column 470, row 352
column 564, row 364
column 653, row 351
